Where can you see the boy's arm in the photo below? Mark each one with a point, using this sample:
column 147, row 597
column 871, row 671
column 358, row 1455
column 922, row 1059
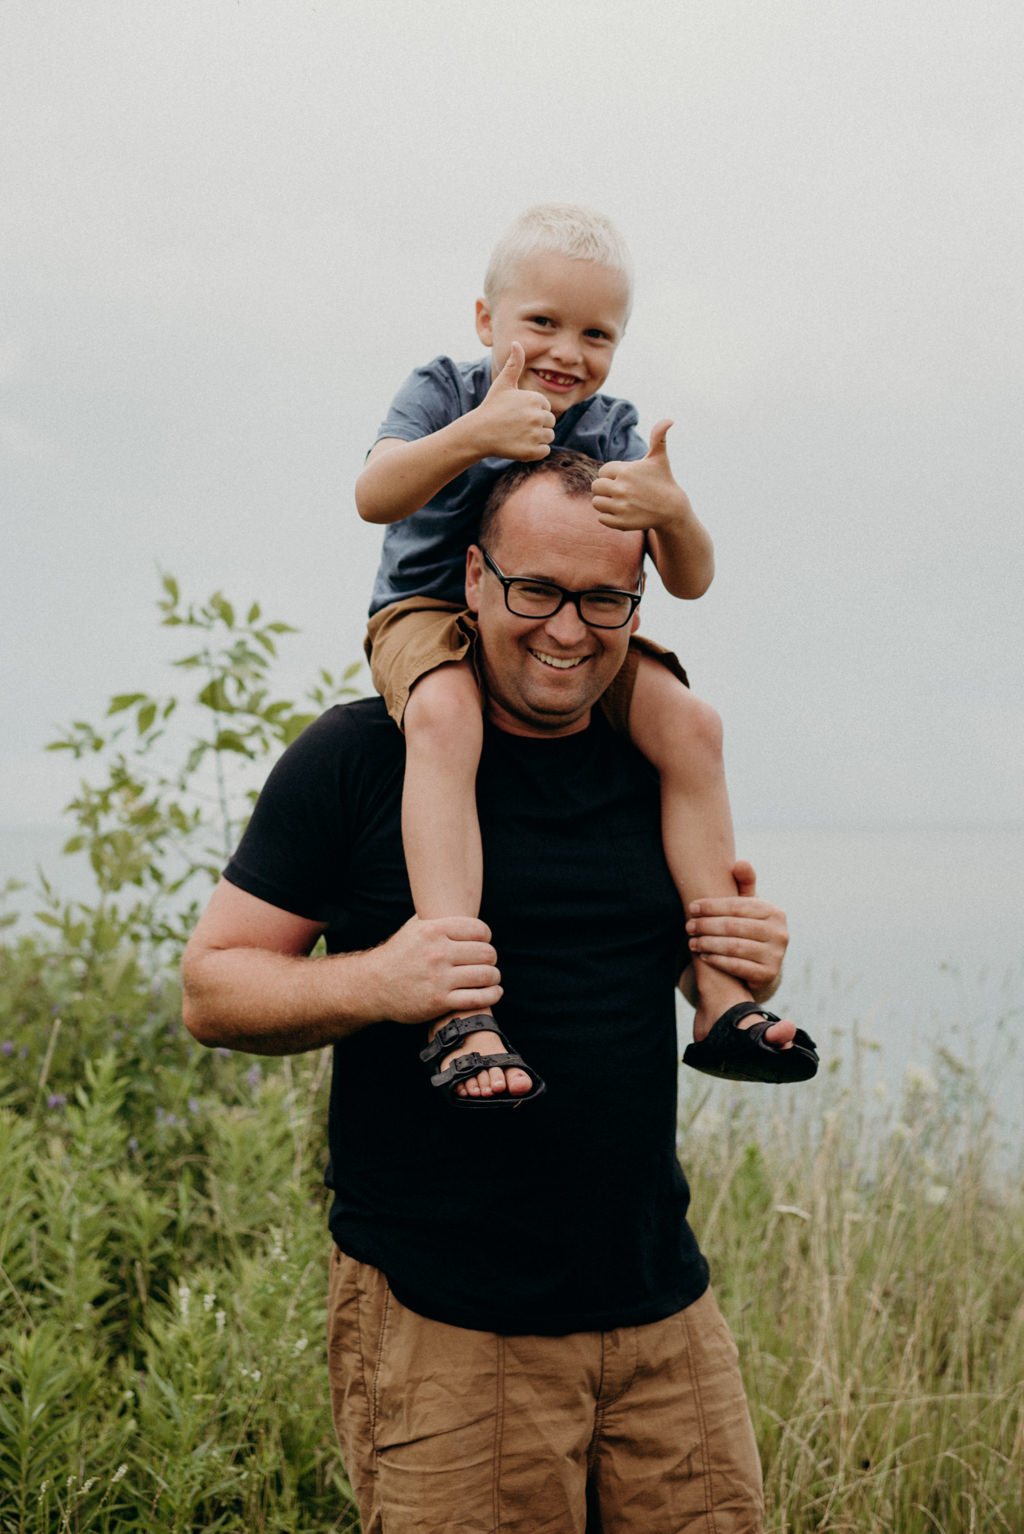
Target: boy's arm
column 399, row 477
column 643, row 495
column 741, row 935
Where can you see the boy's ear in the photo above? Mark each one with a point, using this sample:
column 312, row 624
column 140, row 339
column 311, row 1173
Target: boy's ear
column 483, row 322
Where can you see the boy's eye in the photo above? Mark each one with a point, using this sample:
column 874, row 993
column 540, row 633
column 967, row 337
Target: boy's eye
column 540, row 319
column 597, row 335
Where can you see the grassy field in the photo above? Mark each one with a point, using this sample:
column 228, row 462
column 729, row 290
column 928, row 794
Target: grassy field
column 163, row 1250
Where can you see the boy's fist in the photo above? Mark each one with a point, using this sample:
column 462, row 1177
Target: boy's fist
column 641, row 493
column 514, row 423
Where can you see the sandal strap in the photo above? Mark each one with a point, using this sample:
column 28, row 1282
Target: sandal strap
column 453, row 1032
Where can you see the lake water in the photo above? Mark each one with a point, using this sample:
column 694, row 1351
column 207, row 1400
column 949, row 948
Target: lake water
column 905, row 938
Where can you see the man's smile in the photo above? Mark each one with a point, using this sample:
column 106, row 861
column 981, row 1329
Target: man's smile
column 560, row 662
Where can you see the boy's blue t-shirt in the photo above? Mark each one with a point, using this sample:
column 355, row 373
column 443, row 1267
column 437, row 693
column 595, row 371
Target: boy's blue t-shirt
column 425, row 555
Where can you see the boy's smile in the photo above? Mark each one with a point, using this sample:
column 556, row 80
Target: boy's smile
column 567, row 315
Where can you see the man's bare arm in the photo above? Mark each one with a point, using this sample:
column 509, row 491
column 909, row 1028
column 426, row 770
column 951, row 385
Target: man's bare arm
column 250, row 983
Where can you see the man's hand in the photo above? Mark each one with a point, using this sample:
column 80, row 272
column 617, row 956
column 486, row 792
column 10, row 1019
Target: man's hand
column 429, row 968
column 741, row 935
column 641, row 494
column 513, row 422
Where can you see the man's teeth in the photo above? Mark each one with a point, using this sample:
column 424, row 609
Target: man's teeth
column 561, row 663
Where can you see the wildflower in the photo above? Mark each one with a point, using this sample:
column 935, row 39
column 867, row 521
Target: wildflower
column 225, row 1054
column 90, row 1483
column 209, row 1300
column 57, row 1100
column 254, row 1076
column 184, row 1295
column 220, row 1318
column 300, row 1346
column 936, row 1193
column 255, row 1376
column 6, row 1048
column 193, row 1105
column 119, row 1474
column 918, row 1078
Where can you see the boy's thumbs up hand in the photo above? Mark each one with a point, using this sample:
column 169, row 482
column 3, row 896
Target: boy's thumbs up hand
column 514, row 422
column 511, row 373
column 641, row 493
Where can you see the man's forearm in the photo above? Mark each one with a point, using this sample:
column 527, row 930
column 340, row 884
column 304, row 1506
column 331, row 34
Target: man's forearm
column 277, row 1004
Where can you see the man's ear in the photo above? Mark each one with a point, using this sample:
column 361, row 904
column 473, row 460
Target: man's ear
column 484, row 328
column 474, row 575
column 634, row 622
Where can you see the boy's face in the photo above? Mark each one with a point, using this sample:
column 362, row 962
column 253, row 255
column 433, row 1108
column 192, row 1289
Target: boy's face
column 567, row 315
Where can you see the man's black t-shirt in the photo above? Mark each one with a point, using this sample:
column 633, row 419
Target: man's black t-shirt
column 568, row 1214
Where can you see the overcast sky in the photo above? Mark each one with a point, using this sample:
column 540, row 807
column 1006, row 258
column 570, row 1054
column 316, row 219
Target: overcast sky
column 230, row 229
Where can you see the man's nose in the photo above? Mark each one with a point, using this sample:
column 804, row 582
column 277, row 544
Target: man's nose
column 566, row 626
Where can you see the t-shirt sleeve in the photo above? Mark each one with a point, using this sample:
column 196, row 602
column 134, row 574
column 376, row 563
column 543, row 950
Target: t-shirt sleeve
column 431, row 397
column 296, row 843
column 606, row 429
column 624, row 441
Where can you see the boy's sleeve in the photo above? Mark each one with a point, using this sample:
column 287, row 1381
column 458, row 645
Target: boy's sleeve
column 624, row 440
column 607, row 431
column 431, row 397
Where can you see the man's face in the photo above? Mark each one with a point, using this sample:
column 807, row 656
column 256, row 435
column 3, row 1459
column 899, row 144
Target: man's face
column 567, row 315
column 543, row 675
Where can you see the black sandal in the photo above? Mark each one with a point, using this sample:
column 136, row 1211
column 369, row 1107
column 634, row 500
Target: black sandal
column 446, row 1038
column 744, row 1054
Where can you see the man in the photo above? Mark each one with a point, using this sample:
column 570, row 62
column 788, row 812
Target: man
column 520, row 1331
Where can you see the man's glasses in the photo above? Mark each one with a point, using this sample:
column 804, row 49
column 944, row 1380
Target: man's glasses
column 602, row 609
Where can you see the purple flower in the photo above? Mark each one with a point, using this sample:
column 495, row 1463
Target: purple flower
column 57, row 1100
column 254, row 1076
column 6, row 1048
column 193, row 1105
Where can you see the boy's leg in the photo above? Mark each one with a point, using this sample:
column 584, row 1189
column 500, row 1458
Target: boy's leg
column 443, row 725
column 682, row 737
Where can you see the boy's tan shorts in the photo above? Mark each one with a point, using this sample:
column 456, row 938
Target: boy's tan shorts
column 409, row 639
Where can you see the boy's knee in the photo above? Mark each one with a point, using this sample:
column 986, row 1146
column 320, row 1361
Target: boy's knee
column 445, row 705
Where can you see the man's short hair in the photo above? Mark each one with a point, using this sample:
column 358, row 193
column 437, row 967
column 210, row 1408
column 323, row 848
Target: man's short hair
column 565, row 228
column 575, row 473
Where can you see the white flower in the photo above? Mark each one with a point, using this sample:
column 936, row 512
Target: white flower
column 209, row 1300
column 918, row 1078
column 301, row 1344
column 936, row 1193
column 184, row 1295
column 220, row 1318
column 119, row 1474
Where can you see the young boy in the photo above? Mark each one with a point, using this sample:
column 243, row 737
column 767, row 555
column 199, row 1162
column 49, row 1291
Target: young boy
column 557, row 297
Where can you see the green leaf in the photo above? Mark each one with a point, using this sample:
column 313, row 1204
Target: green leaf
column 123, row 700
column 254, row 613
column 214, row 696
column 146, row 715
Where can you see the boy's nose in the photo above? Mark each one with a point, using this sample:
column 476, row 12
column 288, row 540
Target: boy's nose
column 566, row 348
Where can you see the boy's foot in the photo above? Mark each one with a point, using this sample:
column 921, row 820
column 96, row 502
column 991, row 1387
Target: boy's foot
column 495, row 1080
column 739, row 1047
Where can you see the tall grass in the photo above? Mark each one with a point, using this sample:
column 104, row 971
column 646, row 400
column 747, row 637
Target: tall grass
column 163, row 1255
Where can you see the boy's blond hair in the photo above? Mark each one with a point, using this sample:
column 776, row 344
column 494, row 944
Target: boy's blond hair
column 568, row 229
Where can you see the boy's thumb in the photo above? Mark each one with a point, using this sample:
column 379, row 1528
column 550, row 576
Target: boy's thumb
column 511, row 373
column 658, row 435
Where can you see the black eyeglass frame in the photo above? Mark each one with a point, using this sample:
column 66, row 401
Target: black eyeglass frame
column 575, row 597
